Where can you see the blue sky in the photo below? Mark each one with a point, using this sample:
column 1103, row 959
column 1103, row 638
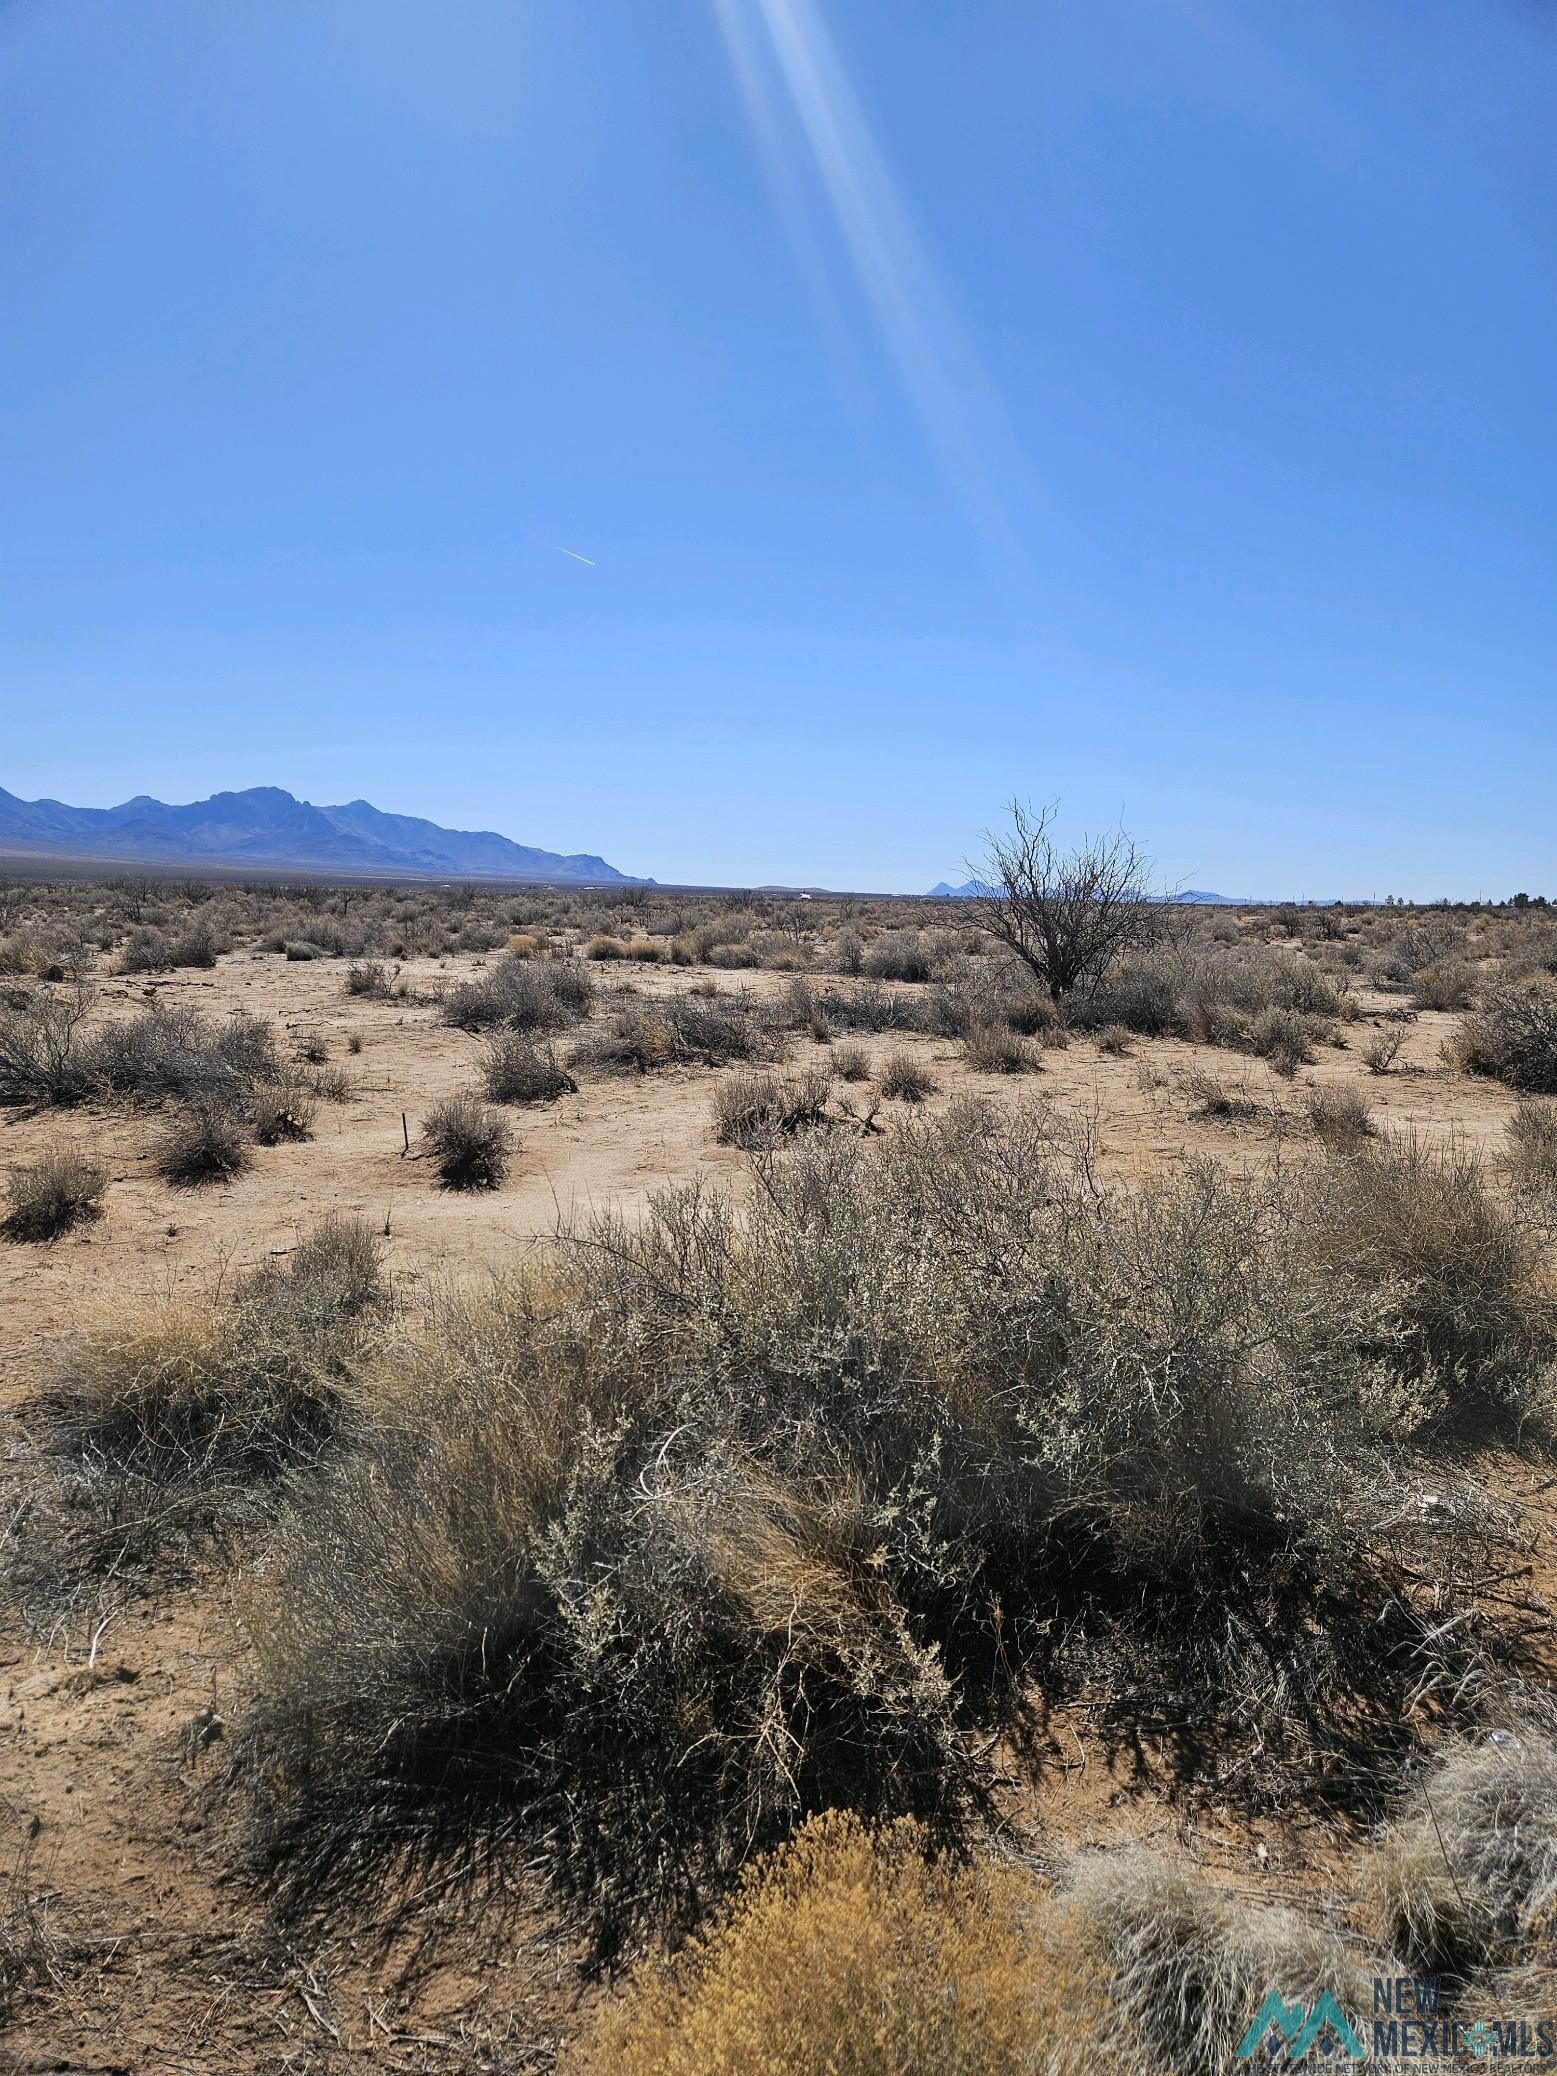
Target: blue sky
column 1145, row 403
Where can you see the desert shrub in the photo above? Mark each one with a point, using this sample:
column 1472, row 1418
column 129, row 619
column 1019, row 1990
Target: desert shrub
column 905, row 1079
column 200, row 1144
column 997, row 1049
column 1513, row 1035
column 184, row 1397
column 303, row 948
column 1466, row 1878
column 1469, row 1317
column 61, row 1190
column 847, row 1950
column 280, row 1111
column 1281, row 1036
column 867, row 1008
column 471, row 1144
column 760, row 1109
column 370, row 977
column 1532, row 1145
column 605, row 948
column 1380, row 1053
column 1115, row 1039
column 1340, row 1116
column 525, row 1614
column 145, row 950
column 851, row 1063
column 899, row 955
column 516, row 1070
column 43, row 1056
column 197, row 946
column 176, row 1054
column 1450, row 984
column 681, row 1032
column 522, row 995
column 1188, row 1966
column 715, row 1520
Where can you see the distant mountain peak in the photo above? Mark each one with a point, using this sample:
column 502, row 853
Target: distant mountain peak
column 267, row 826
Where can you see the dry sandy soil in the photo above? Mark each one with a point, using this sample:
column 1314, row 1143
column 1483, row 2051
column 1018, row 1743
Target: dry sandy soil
column 162, row 1959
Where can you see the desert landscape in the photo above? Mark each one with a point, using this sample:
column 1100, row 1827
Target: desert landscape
column 603, row 1479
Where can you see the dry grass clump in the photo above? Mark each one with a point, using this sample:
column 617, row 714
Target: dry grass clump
column 851, row 1063
column 1214, row 1099
column 1340, row 1116
column 1513, row 1035
column 163, row 1419
column 470, row 1143
column 905, row 1079
column 759, row 1110
column 36, row 1947
column 201, row 1144
column 849, row 1950
column 1467, row 1878
column 516, row 1070
column 1187, row 1966
column 62, row 1189
column 997, row 1049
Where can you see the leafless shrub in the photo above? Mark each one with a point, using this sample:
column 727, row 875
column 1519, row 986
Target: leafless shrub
column 759, row 1110
column 851, row 1063
column 1513, row 1035
column 1380, row 1053
column 516, row 1070
column 471, row 1144
column 1067, row 917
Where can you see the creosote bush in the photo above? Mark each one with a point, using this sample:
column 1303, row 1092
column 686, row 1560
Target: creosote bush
column 470, row 1143
column 62, row 1189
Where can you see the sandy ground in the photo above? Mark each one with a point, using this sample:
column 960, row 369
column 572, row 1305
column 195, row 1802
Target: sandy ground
column 167, row 1963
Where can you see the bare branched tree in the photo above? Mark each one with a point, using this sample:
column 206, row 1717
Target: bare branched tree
column 1067, row 915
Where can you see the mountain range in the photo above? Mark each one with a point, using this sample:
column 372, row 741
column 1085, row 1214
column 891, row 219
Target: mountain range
column 265, row 826
column 1192, row 897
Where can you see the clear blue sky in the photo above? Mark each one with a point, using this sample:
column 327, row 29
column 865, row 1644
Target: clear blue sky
column 1148, row 403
